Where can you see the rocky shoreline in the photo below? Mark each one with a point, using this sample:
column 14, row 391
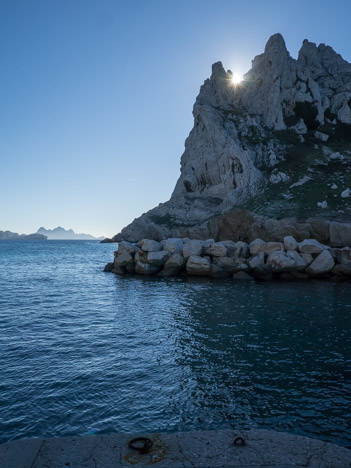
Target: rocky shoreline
column 239, row 260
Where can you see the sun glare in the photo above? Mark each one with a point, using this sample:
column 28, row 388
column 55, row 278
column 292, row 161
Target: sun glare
column 237, row 78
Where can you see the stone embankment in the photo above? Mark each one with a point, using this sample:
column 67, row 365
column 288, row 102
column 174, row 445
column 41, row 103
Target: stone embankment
column 259, row 259
column 215, row 449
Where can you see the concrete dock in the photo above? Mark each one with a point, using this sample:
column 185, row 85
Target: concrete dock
column 212, row 449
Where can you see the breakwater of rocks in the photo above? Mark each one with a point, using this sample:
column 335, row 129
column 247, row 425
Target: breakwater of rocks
column 259, row 259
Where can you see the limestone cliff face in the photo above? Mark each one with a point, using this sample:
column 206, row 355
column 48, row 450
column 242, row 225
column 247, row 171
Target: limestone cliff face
column 252, row 143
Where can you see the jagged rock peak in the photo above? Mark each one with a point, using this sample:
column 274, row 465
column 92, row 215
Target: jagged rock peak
column 237, row 148
column 275, row 42
column 218, row 70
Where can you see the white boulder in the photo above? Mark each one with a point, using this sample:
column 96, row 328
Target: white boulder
column 290, row 243
column 281, row 262
column 158, row 258
column 257, row 259
column 270, row 247
column 226, row 263
column 322, row 264
column 300, row 262
column 311, row 246
column 198, row 265
column 256, row 246
column 217, row 250
column 124, row 259
column 149, row 245
column 193, row 247
column 175, row 261
column 173, row 245
column 307, row 257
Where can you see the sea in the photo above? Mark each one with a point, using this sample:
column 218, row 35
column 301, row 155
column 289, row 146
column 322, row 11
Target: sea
column 83, row 351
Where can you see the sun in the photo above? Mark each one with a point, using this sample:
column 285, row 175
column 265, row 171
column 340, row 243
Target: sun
column 237, row 78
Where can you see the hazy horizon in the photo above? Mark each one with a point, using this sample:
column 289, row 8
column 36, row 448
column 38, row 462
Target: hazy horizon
column 97, row 97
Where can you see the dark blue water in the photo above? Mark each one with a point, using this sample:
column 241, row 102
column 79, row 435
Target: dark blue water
column 85, row 351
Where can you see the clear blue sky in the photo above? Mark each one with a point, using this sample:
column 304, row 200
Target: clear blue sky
column 96, row 96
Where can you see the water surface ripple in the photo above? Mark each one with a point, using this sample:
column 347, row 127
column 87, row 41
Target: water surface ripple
column 86, row 351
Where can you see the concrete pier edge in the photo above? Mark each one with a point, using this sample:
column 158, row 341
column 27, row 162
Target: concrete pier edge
column 211, row 449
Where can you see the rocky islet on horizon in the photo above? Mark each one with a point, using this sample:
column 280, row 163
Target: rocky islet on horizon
column 275, row 149
column 61, row 233
column 8, row 235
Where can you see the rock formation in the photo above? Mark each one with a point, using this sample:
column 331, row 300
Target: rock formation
column 278, row 144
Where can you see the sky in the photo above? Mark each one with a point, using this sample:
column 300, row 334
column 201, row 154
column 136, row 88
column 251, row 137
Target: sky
column 96, row 96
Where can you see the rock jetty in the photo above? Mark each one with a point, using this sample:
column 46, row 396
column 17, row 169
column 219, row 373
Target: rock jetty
column 258, row 259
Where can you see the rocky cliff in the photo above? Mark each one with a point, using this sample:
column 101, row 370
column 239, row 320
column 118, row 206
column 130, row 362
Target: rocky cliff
column 278, row 145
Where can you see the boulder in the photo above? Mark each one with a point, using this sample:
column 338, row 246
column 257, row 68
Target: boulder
column 197, row 265
column 263, row 272
column 217, row 250
column 140, row 256
column 270, row 247
column 158, row 258
column 320, row 230
column 242, row 266
column 342, row 269
column 300, row 263
column 226, row 263
column 125, row 246
column 124, row 259
column 206, row 245
column 241, row 275
column 118, row 271
column 323, row 264
column 230, row 246
column 290, row 243
column 308, row 258
column 340, row 234
column 281, row 262
column 311, row 246
column 241, row 250
column 256, row 260
column 193, row 247
column 146, row 268
column 343, row 255
column 109, row 266
column 175, row 261
column 130, row 268
column 256, row 246
column 173, row 245
column 149, row 245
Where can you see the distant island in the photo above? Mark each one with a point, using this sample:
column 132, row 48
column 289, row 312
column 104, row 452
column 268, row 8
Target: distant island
column 8, row 235
column 60, row 233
